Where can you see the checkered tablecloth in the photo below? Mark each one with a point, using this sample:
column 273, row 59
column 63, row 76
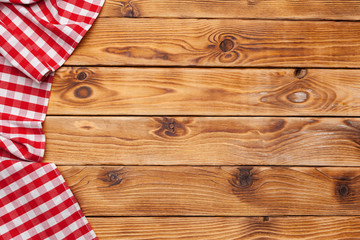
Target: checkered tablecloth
column 36, row 38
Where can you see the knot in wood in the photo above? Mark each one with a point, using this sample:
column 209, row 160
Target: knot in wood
column 130, row 13
column 129, row 9
column 112, row 177
column 172, row 125
column 298, row 97
column 81, row 76
column 300, row 73
column 226, row 45
column 245, row 178
column 343, row 190
column 83, row 92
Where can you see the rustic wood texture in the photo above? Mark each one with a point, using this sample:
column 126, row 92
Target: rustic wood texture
column 220, row 42
column 258, row 9
column 205, row 91
column 214, row 191
column 203, row 141
column 184, row 98
column 225, row 228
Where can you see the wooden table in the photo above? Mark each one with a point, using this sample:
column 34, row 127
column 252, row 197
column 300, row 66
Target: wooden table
column 221, row 119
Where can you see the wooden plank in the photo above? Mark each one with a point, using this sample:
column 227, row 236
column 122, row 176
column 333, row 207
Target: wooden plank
column 214, row 191
column 205, row 91
column 225, row 228
column 203, row 141
column 269, row 9
column 220, row 42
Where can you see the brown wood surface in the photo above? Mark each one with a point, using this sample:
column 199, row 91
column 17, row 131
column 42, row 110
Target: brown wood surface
column 203, row 141
column 220, row 42
column 214, row 191
column 259, row 9
column 205, row 91
column 225, row 228
column 175, row 102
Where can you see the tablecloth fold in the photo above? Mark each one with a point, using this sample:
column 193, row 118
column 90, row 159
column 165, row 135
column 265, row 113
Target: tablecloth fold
column 37, row 204
column 36, row 38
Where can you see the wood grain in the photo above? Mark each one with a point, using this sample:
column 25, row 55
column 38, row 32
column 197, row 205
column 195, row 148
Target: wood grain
column 205, row 91
column 203, row 141
column 214, row 191
column 220, row 42
column 269, row 9
column 225, row 228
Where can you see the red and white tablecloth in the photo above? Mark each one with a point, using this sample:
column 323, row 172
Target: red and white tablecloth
column 36, row 38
